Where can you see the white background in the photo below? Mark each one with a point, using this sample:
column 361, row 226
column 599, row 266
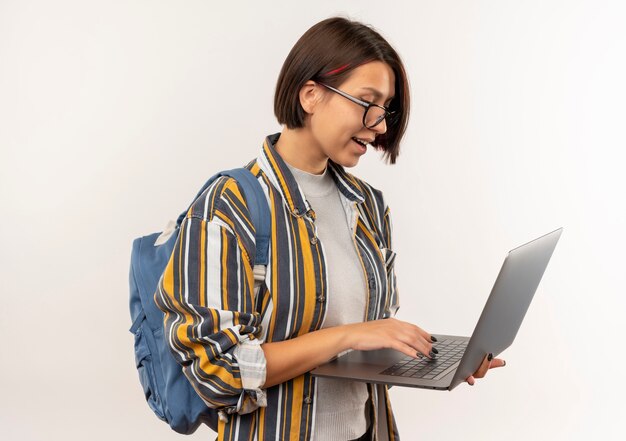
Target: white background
column 112, row 115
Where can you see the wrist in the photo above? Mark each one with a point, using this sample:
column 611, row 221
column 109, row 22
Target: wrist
column 337, row 339
column 346, row 337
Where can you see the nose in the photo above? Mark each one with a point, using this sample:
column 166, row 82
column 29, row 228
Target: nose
column 381, row 127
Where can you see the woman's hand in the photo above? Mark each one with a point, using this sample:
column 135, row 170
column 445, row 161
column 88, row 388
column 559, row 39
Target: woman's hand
column 391, row 333
column 488, row 363
column 289, row 358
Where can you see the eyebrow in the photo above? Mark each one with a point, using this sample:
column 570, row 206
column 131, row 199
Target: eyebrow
column 376, row 93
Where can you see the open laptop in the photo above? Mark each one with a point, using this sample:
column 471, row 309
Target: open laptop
column 459, row 357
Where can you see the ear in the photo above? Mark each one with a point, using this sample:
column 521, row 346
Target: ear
column 310, row 95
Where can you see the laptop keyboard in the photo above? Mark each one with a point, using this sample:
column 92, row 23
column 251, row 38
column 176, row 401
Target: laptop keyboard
column 450, row 353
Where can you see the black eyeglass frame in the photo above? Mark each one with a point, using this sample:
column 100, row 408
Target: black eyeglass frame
column 389, row 115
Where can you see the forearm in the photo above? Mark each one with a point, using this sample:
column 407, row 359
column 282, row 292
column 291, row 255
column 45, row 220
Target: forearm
column 290, row 358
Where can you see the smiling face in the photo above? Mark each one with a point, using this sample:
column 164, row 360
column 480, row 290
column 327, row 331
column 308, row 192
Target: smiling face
column 334, row 121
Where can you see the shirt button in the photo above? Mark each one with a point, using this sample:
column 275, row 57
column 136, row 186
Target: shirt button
column 314, row 240
column 321, row 298
column 308, row 400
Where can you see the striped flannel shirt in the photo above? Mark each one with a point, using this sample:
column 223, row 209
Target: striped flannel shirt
column 216, row 319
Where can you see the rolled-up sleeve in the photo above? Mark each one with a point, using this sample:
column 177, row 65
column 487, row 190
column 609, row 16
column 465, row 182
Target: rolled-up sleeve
column 207, row 295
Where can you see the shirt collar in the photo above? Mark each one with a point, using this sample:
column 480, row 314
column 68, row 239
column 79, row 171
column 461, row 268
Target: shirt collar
column 281, row 177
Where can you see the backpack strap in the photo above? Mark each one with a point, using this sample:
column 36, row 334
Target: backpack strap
column 259, row 210
column 257, row 204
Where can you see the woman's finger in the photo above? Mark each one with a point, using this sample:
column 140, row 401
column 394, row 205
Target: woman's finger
column 405, row 349
column 496, row 363
column 425, row 335
column 424, row 349
column 484, row 366
column 420, row 344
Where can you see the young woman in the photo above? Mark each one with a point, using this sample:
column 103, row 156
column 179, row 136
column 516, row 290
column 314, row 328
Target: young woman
column 330, row 285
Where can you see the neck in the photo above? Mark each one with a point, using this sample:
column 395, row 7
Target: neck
column 298, row 149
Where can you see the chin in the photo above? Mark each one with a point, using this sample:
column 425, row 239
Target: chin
column 348, row 163
column 346, row 159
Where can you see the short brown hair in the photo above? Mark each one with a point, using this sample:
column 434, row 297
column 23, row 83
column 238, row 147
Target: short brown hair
column 330, row 51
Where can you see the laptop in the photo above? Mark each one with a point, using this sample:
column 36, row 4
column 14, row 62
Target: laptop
column 459, row 357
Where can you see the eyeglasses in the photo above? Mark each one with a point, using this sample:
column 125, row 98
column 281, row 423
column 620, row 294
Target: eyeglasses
column 373, row 115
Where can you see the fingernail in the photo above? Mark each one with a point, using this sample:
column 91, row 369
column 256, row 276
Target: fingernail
column 432, row 354
column 503, row 363
column 433, row 339
column 471, row 384
column 490, row 357
column 435, row 350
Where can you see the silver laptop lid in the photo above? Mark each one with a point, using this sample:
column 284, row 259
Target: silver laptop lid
column 508, row 302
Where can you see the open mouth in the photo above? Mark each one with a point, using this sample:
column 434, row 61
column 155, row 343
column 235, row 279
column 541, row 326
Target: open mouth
column 362, row 144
